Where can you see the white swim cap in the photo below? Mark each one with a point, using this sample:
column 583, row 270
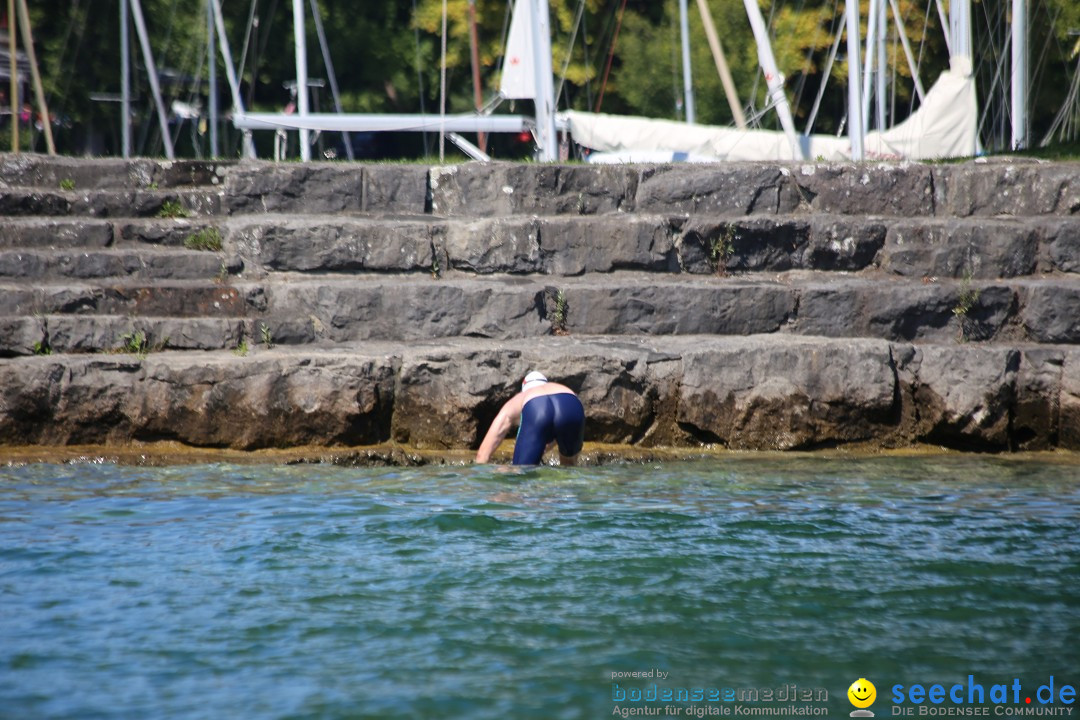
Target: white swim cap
column 532, row 380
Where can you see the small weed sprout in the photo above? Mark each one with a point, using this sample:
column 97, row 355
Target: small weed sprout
column 41, row 347
column 722, row 248
column 241, row 349
column 558, row 317
column 207, row 240
column 969, row 296
column 267, row 338
column 436, row 267
column 135, row 342
column 67, row 184
column 172, row 209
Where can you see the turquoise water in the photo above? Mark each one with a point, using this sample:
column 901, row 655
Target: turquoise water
column 228, row 591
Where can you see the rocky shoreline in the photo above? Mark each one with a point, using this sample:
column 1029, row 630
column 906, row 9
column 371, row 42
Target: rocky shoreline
column 385, row 312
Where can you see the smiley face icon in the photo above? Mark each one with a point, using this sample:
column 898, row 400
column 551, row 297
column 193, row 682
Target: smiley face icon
column 862, row 694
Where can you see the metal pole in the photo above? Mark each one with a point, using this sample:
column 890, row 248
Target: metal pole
column 855, row 125
column 907, row 50
column 151, row 70
column 773, row 77
column 879, row 92
column 442, row 90
column 330, row 71
column 300, row 43
column 545, row 83
column 721, row 65
column 230, row 74
column 12, row 50
column 868, row 64
column 212, row 100
column 1019, row 75
column 125, row 80
column 688, row 85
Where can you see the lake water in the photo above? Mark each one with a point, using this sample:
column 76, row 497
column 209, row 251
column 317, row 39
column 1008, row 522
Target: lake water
column 311, row 591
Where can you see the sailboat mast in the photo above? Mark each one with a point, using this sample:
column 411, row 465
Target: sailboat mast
column 855, row 122
column 773, row 78
column 300, row 42
column 545, row 83
column 1019, row 74
column 688, row 84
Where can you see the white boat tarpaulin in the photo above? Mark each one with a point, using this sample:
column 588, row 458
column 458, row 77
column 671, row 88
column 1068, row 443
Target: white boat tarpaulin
column 944, row 126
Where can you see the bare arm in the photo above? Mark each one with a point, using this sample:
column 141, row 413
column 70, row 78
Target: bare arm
column 500, row 426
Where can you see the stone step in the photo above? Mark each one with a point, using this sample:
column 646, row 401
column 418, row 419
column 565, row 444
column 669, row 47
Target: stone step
column 406, row 308
column 49, row 334
column 1013, row 187
column 46, row 232
column 116, row 263
column 551, row 245
column 760, row 391
column 27, row 202
column 915, row 247
column 42, row 171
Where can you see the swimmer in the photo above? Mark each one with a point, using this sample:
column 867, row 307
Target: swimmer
column 548, row 412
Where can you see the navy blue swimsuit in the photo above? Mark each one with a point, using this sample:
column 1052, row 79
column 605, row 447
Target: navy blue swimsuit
column 544, row 418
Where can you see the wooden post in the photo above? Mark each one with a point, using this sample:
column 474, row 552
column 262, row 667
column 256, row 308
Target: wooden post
column 39, row 91
column 12, row 48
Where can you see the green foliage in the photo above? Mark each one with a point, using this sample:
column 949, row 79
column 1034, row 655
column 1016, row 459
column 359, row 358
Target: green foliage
column 558, row 316
column 135, row 342
column 67, row 184
column 387, row 60
column 172, row 209
column 41, row 347
column 721, row 248
column 267, row 338
column 207, row 240
column 241, row 349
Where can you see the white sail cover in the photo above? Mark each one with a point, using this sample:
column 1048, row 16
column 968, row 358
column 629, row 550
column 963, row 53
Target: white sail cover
column 944, row 126
column 518, row 80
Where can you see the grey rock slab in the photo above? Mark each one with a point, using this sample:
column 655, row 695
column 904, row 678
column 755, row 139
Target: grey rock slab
column 965, row 395
column 1020, row 189
column 1038, row 394
column 957, row 248
column 43, row 265
column 501, row 189
column 660, row 307
column 721, row 189
column 314, row 244
column 34, row 232
column 1069, row 402
column 861, row 307
column 1050, row 310
column 892, row 189
column 783, row 392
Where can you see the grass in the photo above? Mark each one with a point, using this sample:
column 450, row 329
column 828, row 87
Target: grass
column 964, row 303
column 172, row 209
column 206, row 240
column 722, row 248
column 67, row 184
column 241, row 349
column 267, row 338
column 558, row 317
column 137, row 343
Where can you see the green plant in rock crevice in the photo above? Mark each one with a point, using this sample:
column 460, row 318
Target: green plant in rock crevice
column 965, row 302
column 207, row 240
column 721, row 248
column 558, row 315
column 172, row 209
